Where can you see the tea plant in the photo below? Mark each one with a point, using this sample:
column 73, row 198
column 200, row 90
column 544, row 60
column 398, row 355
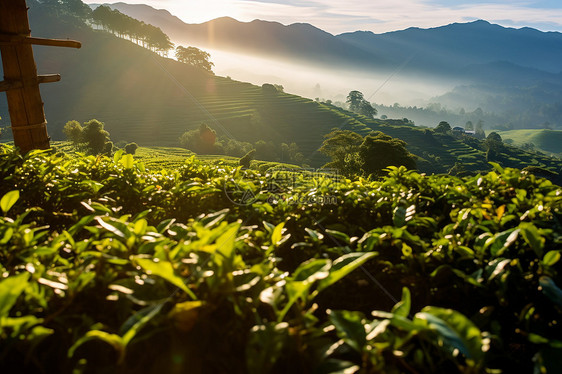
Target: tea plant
column 106, row 266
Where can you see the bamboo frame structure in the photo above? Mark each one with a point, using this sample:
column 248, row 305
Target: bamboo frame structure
column 21, row 82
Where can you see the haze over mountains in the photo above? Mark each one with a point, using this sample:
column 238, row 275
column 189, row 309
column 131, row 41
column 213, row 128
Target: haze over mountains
column 451, row 46
column 462, row 65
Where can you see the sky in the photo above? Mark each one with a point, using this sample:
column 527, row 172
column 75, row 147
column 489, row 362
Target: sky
column 371, row 15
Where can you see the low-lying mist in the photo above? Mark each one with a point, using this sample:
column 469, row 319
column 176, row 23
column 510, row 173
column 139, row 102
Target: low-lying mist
column 381, row 87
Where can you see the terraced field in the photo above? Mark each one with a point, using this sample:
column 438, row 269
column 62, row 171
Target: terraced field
column 547, row 141
column 152, row 100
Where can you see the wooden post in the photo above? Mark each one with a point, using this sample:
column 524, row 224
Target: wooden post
column 21, row 82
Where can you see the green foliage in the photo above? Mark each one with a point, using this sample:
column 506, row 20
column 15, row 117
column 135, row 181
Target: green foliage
column 443, row 127
column 359, row 105
column 379, row 151
column 73, row 132
column 342, row 146
column 91, row 137
column 352, row 154
column 494, row 146
column 195, row 57
column 247, row 159
column 108, row 267
column 131, row 148
column 493, row 137
column 95, row 136
column 122, row 25
column 201, row 141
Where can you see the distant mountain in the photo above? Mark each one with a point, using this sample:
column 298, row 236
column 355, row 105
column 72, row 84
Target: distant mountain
column 462, row 44
column 297, row 42
column 442, row 50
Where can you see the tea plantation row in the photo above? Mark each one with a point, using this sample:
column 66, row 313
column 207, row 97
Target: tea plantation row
column 108, row 267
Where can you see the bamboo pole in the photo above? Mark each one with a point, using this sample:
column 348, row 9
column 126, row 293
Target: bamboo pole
column 27, row 116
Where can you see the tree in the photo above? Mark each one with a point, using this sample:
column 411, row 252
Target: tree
column 469, row 126
column 108, row 148
column 208, row 137
column 67, row 7
column 359, row 105
column 266, row 150
column 269, row 89
column 494, row 137
column 194, row 57
column 494, row 146
column 201, row 141
column 379, row 151
column 91, row 137
column 443, row 127
column 73, row 132
column 247, row 159
column 290, row 153
column 131, row 148
column 95, row 136
column 150, row 36
column 342, row 146
column 479, row 130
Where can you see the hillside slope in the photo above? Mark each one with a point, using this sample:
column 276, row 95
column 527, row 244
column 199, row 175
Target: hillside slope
column 545, row 140
column 152, row 100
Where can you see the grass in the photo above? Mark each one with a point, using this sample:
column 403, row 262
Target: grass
column 547, row 141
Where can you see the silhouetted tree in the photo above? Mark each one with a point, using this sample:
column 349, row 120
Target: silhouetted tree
column 268, row 89
column 200, row 141
column 290, row 153
column 247, row 159
column 195, row 57
column 479, row 130
column 494, row 137
column 359, row 105
column 149, row 36
column 131, row 148
column 108, row 148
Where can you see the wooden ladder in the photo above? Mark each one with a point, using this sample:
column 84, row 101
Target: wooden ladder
column 21, row 82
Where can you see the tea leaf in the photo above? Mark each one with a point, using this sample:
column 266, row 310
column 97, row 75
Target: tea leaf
column 8, row 200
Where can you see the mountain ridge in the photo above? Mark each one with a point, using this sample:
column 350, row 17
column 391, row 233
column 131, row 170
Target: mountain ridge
column 463, row 53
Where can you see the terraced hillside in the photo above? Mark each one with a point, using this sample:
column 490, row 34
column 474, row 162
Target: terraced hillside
column 438, row 153
column 152, row 100
column 548, row 141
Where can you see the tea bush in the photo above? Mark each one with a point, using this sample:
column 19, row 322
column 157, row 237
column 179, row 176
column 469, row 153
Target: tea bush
column 107, row 267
